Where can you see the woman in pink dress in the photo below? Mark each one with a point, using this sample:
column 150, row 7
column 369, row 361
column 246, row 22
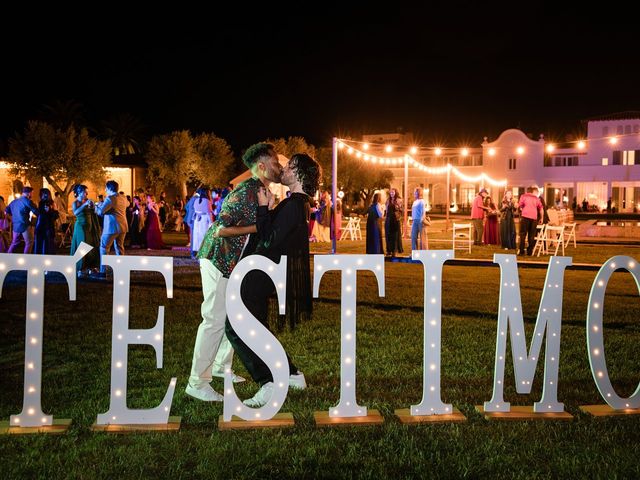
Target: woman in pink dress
column 154, row 235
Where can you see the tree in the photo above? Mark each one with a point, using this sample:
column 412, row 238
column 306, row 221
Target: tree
column 354, row 175
column 215, row 159
column 292, row 145
column 63, row 156
column 172, row 159
column 63, row 114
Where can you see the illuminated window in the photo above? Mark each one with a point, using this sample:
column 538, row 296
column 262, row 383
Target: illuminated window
column 605, row 161
column 629, row 157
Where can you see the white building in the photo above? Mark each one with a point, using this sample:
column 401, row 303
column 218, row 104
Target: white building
column 606, row 164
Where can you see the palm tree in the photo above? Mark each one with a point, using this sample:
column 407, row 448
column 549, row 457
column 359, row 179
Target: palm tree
column 63, row 114
column 125, row 132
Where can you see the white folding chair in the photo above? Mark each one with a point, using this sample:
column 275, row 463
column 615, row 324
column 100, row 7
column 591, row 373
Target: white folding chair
column 554, row 236
column 540, row 246
column 347, row 230
column 569, row 233
column 424, row 238
column 65, row 233
column 357, row 232
column 554, row 216
column 461, row 235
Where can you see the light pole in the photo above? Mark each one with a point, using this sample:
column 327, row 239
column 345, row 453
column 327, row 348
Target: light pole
column 334, row 193
column 448, row 196
column 405, row 219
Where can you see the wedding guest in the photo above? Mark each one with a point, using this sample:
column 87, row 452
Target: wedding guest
column 85, row 229
column 45, row 231
column 544, row 216
column 491, row 235
column 477, row 216
column 338, row 219
column 162, row 210
column 115, row 227
column 375, row 218
column 202, row 218
column 420, row 221
column 323, row 218
column 5, row 241
column 154, row 231
column 530, row 212
column 393, row 223
column 188, row 220
column 135, row 227
column 19, row 210
column 178, row 206
column 508, row 209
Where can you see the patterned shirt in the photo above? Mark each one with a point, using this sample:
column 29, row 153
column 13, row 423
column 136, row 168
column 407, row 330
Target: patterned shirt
column 239, row 209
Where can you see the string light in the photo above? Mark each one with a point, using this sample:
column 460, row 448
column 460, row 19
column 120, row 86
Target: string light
column 395, row 161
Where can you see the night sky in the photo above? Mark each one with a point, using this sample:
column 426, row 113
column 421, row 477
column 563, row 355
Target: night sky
column 450, row 75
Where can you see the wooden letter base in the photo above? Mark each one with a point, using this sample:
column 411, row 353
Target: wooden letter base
column 172, row 426
column 404, row 415
column 60, row 425
column 280, row 420
column 323, row 419
column 523, row 413
column 607, row 411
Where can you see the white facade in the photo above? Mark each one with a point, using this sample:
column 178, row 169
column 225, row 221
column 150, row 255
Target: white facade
column 606, row 165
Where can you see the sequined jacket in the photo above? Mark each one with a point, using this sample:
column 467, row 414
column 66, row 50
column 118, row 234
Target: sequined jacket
column 239, row 209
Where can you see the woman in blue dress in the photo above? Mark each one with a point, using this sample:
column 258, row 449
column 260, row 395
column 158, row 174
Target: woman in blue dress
column 375, row 218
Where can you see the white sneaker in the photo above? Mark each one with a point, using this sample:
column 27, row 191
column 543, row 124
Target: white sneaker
column 261, row 397
column 236, row 378
column 204, row 393
column 297, row 381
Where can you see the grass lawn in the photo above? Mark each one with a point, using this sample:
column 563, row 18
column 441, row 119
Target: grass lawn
column 76, row 378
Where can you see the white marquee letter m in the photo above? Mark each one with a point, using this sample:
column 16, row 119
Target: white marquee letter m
column 510, row 315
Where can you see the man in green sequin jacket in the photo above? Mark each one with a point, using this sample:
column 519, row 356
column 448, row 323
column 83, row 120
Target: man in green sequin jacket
column 218, row 256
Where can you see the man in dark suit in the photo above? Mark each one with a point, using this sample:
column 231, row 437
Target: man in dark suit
column 19, row 210
column 115, row 227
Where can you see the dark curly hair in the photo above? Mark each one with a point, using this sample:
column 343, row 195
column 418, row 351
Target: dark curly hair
column 308, row 172
column 78, row 188
column 256, row 152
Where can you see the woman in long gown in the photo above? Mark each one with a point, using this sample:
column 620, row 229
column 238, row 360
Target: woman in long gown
column 392, row 223
column 45, row 231
column 491, row 235
column 508, row 209
column 4, row 227
column 135, row 234
column 202, row 219
column 86, row 229
column 154, row 234
column 323, row 218
column 375, row 216
column 283, row 231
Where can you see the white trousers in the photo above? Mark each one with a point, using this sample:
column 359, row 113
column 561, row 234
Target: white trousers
column 212, row 350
